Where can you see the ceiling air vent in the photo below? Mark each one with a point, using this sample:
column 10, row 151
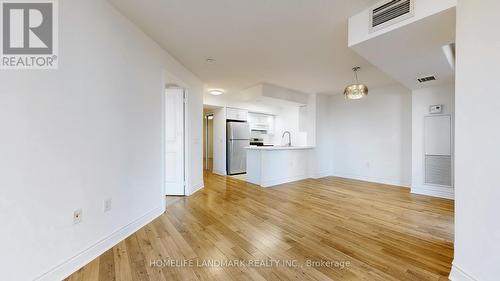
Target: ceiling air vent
column 390, row 12
column 427, row 79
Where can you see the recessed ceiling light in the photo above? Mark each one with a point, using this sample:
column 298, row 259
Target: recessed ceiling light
column 210, row 60
column 216, row 92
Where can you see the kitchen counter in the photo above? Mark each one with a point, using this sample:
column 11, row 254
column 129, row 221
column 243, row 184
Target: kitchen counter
column 278, row 147
column 273, row 165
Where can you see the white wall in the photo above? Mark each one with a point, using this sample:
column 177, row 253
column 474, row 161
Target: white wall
column 194, row 132
column 421, row 100
column 371, row 137
column 75, row 136
column 321, row 163
column 288, row 120
column 307, row 120
column 300, row 121
column 220, row 141
column 477, row 101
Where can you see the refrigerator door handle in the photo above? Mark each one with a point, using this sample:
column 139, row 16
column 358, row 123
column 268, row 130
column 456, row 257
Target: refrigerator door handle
column 229, row 154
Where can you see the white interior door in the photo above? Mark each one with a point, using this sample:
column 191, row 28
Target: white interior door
column 437, row 135
column 174, row 140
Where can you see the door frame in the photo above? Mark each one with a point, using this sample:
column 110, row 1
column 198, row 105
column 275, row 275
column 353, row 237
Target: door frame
column 206, row 137
column 185, row 138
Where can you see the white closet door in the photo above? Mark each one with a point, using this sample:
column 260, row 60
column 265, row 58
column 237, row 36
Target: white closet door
column 174, row 140
column 438, row 135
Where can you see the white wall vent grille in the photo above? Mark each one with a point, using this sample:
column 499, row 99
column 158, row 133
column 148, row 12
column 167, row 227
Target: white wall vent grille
column 438, row 170
column 390, row 12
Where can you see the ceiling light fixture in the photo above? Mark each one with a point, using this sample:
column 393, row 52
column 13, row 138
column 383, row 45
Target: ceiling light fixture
column 356, row 91
column 210, row 60
column 216, row 92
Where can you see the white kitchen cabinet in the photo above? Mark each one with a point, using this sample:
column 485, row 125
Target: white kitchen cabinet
column 269, row 166
column 261, row 122
column 236, row 114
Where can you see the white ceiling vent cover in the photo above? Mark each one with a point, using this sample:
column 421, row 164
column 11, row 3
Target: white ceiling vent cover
column 390, row 12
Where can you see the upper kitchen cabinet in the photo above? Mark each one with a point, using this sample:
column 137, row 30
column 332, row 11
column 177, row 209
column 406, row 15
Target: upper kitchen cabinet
column 261, row 122
column 236, row 114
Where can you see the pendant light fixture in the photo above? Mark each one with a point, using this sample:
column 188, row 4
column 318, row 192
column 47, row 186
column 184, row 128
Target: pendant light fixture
column 356, row 91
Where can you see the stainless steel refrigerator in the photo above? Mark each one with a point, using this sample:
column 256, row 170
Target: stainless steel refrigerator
column 238, row 137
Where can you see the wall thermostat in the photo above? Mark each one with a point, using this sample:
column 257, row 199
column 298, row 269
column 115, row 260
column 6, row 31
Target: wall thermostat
column 435, row 109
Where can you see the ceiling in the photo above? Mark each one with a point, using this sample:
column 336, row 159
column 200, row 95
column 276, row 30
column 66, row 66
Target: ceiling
column 418, row 44
column 298, row 44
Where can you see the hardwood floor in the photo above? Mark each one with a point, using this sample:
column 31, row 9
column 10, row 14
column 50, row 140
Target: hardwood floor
column 376, row 232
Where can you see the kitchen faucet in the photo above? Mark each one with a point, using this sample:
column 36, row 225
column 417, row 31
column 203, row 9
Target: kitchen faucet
column 289, row 137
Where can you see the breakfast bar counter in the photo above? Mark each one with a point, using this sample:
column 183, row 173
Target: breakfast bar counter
column 273, row 165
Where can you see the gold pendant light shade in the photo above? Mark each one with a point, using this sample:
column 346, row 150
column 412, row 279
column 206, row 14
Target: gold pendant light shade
column 356, row 91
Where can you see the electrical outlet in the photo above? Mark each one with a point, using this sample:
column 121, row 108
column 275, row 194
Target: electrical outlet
column 77, row 216
column 108, row 204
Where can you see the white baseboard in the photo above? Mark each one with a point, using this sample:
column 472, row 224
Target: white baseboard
column 435, row 191
column 219, row 172
column 458, row 274
column 373, row 179
column 76, row 262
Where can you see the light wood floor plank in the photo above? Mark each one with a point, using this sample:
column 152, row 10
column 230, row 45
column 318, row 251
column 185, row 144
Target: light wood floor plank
column 107, row 266
column 385, row 233
column 91, row 271
column 122, row 262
